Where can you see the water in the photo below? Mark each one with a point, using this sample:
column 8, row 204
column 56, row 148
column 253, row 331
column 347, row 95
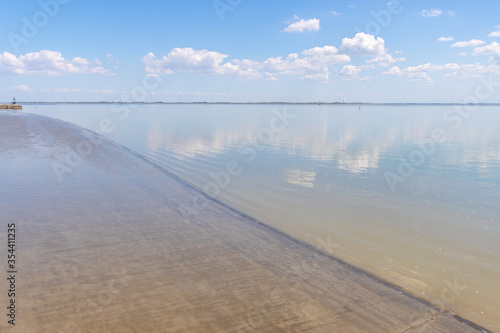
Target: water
column 408, row 193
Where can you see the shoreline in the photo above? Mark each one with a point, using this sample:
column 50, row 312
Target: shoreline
column 115, row 192
column 317, row 250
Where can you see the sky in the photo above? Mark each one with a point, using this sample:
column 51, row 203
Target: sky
column 408, row 51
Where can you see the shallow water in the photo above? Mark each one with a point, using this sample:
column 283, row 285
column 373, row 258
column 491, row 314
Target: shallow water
column 408, row 193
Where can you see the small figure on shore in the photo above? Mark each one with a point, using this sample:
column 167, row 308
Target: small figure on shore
column 11, row 106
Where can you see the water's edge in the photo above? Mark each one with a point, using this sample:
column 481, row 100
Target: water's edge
column 300, row 242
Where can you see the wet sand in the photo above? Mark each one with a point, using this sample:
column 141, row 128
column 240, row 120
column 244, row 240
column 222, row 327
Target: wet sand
column 104, row 247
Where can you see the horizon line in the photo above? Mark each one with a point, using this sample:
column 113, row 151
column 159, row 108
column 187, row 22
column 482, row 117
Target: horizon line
column 279, row 102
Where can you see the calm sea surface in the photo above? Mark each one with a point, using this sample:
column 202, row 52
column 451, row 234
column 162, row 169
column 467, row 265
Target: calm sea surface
column 408, row 193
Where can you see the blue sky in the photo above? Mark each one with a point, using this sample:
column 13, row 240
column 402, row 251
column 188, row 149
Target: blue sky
column 242, row 50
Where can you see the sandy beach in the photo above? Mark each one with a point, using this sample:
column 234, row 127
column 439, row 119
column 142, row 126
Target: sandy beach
column 103, row 245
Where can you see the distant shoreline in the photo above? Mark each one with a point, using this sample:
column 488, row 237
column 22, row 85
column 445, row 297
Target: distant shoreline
column 265, row 103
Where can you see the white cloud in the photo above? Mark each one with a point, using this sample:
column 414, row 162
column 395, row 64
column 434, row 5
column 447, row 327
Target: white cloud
column 351, row 72
column 325, row 50
column 246, row 63
column 310, row 64
column 293, row 65
column 414, row 75
column 21, row 87
column 494, row 34
column 363, row 44
column 476, row 70
column 445, row 39
column 270, row 77
column 321, row 76
column 336, row 13
column 196, row 61
column 80, row 61
column 186, row 60
column 385, row 60
column 48, row 63
column 431, row 13
column 470, row 43
column 433, row 67
column 451, row 12
column 313, row 65
column 492, row 49
column 303, row 25
column 465, row 71
column 327, row 55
